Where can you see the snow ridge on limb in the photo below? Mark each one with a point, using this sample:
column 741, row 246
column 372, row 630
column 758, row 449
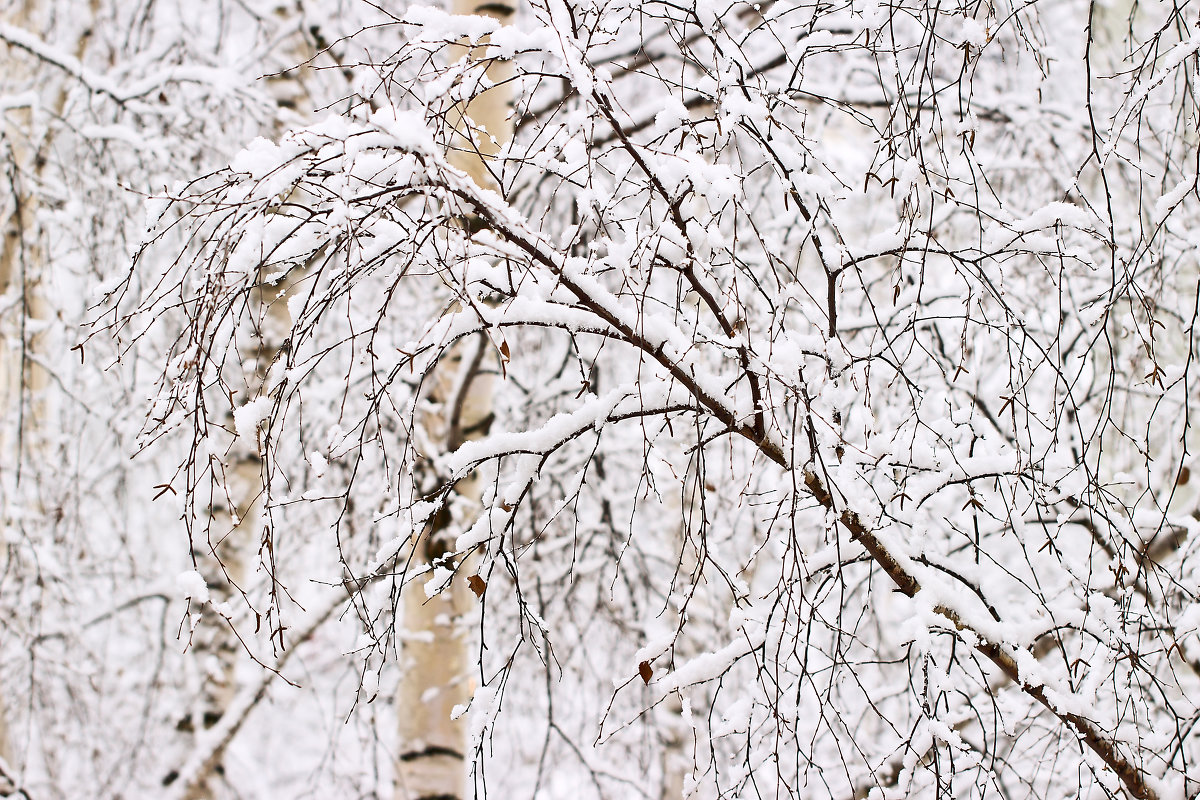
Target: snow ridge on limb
column 100, row 84
column 660, row 344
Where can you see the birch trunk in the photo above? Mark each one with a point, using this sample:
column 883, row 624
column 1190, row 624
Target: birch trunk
column 8, row 784
column 233, row 535
column 225, row 554
column 23, row 263
column 20, row 378
column 435, row 651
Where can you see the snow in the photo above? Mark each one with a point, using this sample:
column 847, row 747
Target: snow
column 260, row 158
column 406, row 128
column 437, row 25
column 977, row 421
column 438, row 580
column 249, row 416
column 1051, row 213
column 708, row 666
column 974, row 33
column 1166, row 204
column 192, row 586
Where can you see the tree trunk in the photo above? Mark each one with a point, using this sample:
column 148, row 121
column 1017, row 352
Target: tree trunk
column 8, row 783
column 22, row 377
column 233, row 536
column 234, row 530
column 23, row 264
column 435, row 650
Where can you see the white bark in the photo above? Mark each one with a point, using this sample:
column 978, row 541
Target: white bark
column 18, row 376
column 8, row 783
column 232, row 539
column 224, row 556
column 210, row 746
column 22, row 378
column 435, row 654
column 23, row 270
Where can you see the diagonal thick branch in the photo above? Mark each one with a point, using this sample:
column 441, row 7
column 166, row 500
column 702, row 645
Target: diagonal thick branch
column 896, row 568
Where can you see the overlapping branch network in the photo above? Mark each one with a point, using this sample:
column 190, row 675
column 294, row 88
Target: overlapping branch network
column 922, row 327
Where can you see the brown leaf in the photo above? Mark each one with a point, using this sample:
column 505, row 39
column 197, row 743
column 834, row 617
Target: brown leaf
column 477, row 584
column 504, row 351
column 645, row 671
column 1185, row 475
